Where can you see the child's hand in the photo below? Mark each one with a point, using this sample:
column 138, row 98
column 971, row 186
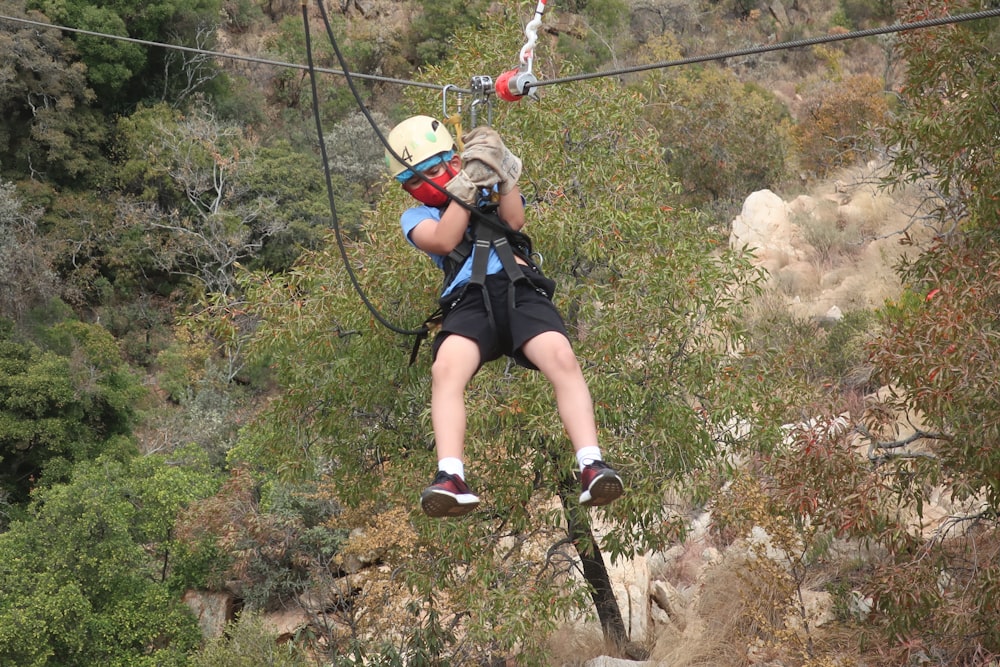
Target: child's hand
column 462, row 187
column 485, row 151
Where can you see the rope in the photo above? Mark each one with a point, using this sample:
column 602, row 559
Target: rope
column 749, row 51
column 421, row 331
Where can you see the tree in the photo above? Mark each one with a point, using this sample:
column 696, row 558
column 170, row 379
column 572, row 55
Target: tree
column 84, row 576
column 188, row 176
column 50, row 128
column 62, row 404
column 357, row 154
column 722, row 138
column 939, row 345
column 25, row 275
column 838, row 121
column 653, row 303
column 125, row 73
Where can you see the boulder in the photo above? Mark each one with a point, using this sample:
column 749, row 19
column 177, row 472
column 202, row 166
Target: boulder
column 214, row 610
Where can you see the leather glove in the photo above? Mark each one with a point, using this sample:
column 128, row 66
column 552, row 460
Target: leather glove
column 483, row 135
column 463, row 188
column 484, row 146
column 481, row 174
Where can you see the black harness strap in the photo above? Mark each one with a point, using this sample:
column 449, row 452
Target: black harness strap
column 488, row 231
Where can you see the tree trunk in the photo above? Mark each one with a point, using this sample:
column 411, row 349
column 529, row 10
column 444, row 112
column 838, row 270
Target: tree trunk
column 594, row 570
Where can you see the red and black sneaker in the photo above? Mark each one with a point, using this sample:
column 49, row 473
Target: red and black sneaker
column 601, row 484
column 449, row 495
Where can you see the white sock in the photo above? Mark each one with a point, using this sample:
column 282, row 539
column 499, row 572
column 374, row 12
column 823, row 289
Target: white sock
column 587, row 455
column 452, row 466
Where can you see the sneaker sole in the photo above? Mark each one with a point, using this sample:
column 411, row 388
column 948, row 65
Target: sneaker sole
column 603, row 490
column 437, row 504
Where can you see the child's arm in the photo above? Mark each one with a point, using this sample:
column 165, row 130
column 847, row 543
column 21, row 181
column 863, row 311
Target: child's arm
column 441, row 237
column 511, row 209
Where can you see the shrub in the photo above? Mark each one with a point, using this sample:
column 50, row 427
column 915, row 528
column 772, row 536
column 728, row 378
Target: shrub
column 833, row 131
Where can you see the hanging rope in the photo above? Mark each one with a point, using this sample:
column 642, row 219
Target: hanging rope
column 421, row 331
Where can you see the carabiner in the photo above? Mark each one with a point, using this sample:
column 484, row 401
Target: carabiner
column 456, row 118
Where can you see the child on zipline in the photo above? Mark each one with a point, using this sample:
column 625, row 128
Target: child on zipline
column 492, row 308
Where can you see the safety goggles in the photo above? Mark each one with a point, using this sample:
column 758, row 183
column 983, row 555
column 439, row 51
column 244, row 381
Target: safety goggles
column 425, row 165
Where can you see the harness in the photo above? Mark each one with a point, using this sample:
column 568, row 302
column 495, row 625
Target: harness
column 486, row 231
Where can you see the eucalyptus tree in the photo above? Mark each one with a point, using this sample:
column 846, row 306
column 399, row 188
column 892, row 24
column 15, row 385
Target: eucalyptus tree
column 653, row 303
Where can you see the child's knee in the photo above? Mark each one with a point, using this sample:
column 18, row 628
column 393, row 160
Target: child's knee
column 564, row 360
column 451, row 370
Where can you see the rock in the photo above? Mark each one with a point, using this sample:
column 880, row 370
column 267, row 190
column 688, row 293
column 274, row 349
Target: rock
column 213, row 611
column 818, row 609
column 285, row 624
column 778, row 12
column 630, row 582
column 762, row 224
column 668, row 599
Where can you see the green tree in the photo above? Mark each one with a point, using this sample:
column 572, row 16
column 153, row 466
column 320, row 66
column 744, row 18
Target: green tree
column 249, row 643
column 83, row 576
column 291, row 89
column 188, row 180
column 62, row 403
column 653, row 303
column 437, row 25
column 721, row 138
column 50, row 127
column 126, row 73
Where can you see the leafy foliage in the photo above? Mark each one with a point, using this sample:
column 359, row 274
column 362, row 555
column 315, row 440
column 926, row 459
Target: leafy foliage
column 940, row 343
column 62, row 404
column 271, row 548
column 93, row 589
column 435, row 28
column 836, row 127
column 721, row 138
column 50, row 127
column 249, row 643
column 659, row 323
column 126, row 73
column 26, row 277
column 192, row 200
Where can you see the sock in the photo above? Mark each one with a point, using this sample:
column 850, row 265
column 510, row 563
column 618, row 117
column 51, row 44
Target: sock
column 587, row 455
column 452, row 466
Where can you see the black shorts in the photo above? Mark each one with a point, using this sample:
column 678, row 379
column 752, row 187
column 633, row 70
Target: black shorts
column 531, row 313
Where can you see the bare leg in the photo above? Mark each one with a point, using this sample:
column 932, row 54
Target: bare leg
column 552, row 353
column 456, row 362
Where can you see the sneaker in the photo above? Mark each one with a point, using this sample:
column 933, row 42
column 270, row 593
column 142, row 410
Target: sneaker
column 449, row 495
column 601, row 484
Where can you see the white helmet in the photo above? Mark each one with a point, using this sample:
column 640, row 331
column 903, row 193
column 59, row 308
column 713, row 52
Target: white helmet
column 416, row 139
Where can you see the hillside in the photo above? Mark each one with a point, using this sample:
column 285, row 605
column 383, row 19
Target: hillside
column 777, row 270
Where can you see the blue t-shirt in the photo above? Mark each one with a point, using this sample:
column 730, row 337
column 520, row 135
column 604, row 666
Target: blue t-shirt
column 414, row 216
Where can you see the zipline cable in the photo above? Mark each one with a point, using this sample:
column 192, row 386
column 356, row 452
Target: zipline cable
column 799, row 43
column 527, row 85
column 220, row 54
